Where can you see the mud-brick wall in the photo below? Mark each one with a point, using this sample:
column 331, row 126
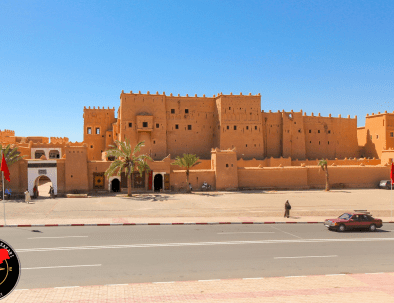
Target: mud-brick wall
column 196, row 178
column 272, row 177
column 348, row 176
column 97, row 167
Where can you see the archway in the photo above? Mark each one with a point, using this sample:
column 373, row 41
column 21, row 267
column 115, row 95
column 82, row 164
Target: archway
column 43, row 184
column 115, row 185
column 158, row 182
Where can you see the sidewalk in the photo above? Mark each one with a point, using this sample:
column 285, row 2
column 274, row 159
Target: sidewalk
column 348, row 287
column 212, row 207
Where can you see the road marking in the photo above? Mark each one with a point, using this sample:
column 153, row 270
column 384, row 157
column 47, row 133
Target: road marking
column 248, row 232
column 208, row 280
column 295, row 241
column 58, row 237
column 61, row 266
column 286, row 232
column 163, row 282
column 295, row 276
column 301, row 257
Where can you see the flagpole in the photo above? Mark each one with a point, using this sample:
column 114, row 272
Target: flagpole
column 2, row 173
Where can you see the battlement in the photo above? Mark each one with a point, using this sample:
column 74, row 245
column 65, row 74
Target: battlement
column 379, row 114
column 59, row 140
column 7, row 133
column 98, row 108
column 187, row 95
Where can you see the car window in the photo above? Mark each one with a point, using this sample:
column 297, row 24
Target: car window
column 345, row 216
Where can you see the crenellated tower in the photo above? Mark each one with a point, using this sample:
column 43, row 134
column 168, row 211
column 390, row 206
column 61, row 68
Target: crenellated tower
column 97, row 130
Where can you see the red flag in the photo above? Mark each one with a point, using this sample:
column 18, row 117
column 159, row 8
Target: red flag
column 4, row 168
column 392, row 173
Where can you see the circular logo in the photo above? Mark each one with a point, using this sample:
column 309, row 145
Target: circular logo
column 10, row 269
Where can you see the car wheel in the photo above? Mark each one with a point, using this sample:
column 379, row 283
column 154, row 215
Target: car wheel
column 372, row 227
column 341, row 228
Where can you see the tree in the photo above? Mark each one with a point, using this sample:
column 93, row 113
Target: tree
column 11, row 155
column 126, row 159
column 187, row 161
column 323, row 165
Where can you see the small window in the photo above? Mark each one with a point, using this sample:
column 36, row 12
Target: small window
column 328, row 142
column 319, row 142
column 235, row 127
column 246, row 145
column 310, row 131
column 157, row 125
column 97, row 131
column 310, row 141
column 186, row 111
column 391, row 134
column 318, row 131
column 377, row 136
column 228, row 127
column 232, row 165
column 226, row 165
column 229, row 108
column 130, row 124
column 176, row 126
column 189, row 127
column 154, row 142
column 255, row 127
column 91, row 146
column 172, row 111
column 144, row 124
column 299, row 130
column 329, row 132
column 89, row 131
column 247, row 127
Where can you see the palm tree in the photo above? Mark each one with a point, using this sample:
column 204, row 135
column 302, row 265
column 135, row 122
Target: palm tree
column 323, row 165
column 126, row 159
column 11, row 155
column 187, row 161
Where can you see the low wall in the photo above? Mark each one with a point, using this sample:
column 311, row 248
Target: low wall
column 272, row 177
column 196, row 178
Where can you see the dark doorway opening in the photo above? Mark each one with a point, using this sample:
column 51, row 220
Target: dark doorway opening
column 115, row 185
column 158, row 182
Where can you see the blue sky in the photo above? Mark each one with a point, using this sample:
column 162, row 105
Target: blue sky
column 319, row 56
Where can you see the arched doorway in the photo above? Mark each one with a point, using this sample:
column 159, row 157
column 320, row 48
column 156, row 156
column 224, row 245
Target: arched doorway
column 115, row 185
column 158, row 182
column 43, row 184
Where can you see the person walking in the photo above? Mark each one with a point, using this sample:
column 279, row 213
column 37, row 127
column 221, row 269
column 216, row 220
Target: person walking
column 287, row 209
column 52, row 192
column 35, row 192
column 27, row 196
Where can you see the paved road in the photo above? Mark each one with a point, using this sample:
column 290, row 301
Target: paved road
column 76, row 256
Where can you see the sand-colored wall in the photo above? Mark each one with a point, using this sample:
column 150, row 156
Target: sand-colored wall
column 96, row 167
column 202, row 119
column 196, row 178
column 349, row 176
column 76, row 169
column 273, row 177
column 97, row 118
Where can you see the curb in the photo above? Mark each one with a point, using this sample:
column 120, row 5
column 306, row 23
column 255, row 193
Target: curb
column 210, row 280
column 177, row 223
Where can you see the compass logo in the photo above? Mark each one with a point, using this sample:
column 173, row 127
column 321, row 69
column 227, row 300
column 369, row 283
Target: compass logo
column 9, row 269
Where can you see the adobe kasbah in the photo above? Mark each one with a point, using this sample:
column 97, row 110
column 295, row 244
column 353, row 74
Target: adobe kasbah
column 240, row 147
